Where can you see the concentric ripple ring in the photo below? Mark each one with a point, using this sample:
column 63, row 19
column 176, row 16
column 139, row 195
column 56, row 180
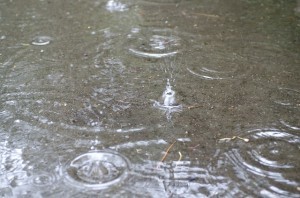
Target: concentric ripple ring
column 97, row 169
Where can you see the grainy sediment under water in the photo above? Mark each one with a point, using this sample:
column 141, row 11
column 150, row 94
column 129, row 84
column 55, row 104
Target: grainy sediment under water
column 149, row 98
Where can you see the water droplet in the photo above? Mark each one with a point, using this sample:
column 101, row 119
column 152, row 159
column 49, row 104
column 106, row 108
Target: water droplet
column 168, row 101
column 41, row 40
column 97, row 169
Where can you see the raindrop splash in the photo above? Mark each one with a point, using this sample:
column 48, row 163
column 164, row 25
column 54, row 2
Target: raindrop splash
column 97, row 169
column 168, row 101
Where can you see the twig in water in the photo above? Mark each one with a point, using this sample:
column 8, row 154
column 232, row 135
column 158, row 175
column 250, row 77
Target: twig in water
column 194, row 147
column 194, row 107
column 167, row 151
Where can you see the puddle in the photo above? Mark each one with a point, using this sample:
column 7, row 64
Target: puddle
column 158, row 83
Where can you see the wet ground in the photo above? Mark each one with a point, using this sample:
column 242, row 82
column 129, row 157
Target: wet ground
column 152, row 98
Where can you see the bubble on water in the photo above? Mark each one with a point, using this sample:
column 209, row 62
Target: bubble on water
column 41, row 40
column 266, row 164
column 97, row 169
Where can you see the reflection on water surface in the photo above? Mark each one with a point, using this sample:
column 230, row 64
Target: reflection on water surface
column 126, row 98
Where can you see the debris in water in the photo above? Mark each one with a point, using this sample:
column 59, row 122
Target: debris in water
column 167, row 151
column 180, row 156
column 194, row 107
column 233, row 138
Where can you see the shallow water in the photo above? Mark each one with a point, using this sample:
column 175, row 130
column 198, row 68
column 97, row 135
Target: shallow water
column 173, row 98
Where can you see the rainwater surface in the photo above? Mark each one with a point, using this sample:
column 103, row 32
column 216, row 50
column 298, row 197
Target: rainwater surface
column 149, row 98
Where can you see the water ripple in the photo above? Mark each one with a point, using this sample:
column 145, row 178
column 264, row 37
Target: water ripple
column 266, row 165
column 97, row 170
column 152, row 55
column 41, row 40
column 290, row 126
column 43, row 179
column 34, row 89
column 288, row 97
column 157, row 43
column 210, row 74
column 143, row 143
column 224, row 64
column 180, row 178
